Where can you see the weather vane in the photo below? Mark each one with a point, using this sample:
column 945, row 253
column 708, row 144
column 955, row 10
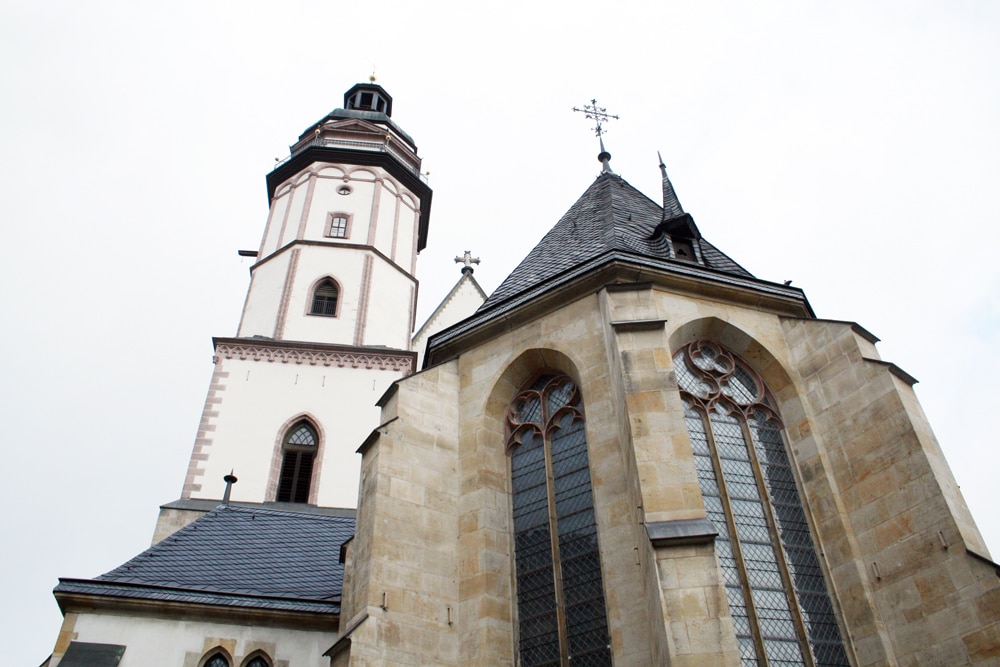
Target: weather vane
column 597, row 114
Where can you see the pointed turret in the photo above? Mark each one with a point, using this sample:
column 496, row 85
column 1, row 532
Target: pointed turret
column 676, row 224
column 671, row 206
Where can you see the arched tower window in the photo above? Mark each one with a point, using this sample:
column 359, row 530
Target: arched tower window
column 257, row 661
column 776, row 590
column 560, row 592
column 298, row 453
column 324, row 300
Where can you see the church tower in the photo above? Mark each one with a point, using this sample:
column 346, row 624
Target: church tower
column 328, row 316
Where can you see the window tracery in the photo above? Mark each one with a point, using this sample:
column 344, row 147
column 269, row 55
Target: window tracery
column 560, row 593
column 774, row 584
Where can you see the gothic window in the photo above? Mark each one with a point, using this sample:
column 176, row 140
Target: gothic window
column 298, row 453
column 560, row 594
column 337, row 226
column 257, row 661
column 217, row 660
column 775, row 587
column 324, row 300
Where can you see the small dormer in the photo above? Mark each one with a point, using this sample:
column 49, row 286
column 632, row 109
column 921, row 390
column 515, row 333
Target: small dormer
column 676, row 227
column 368, row 97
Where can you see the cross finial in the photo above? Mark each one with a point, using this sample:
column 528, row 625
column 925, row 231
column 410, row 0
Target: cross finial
column 468, row 260
column 597, row 114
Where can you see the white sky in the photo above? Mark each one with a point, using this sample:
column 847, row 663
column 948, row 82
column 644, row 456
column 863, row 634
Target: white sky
column 850, row 146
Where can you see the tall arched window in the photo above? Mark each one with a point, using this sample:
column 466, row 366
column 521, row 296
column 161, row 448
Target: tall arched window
column 560, row 592
column 298, row 453
column 257, row 660
column 775, row 587
column 324, row 300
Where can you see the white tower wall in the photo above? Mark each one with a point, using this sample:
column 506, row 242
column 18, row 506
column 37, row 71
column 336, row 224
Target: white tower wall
column 287, row 363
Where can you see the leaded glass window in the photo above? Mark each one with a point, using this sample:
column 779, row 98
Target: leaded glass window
column 298, row 453
column 775, row 586
column 217, row 660
column 560, row 593
column 258, row 661
column 324, row 301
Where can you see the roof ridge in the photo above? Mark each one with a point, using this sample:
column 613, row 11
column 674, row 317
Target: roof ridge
column 272, row 510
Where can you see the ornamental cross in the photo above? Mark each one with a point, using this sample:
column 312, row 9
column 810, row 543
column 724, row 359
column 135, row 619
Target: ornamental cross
column 598, row 114
column 468, row 260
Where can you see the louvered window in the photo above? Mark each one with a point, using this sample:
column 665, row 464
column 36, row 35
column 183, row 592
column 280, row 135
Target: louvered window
column 776, row 590
column 299, row 452
column 560, row 593
column 324, row 301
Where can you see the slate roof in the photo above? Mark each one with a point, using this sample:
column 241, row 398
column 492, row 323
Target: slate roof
column 237, row 556
column 611, row 220
column 610, row 215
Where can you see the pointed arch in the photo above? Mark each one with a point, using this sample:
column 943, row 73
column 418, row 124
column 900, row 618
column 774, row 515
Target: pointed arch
column 216, row 657
column 746, row 346
column 257, row 658
column 520, row 370
column 296, row 464
column 324, row 297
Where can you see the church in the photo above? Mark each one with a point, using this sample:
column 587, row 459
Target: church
column 633, row 452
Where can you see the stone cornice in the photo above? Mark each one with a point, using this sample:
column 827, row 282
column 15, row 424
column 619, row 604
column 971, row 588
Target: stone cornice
column 89, row 602
column 313, row 354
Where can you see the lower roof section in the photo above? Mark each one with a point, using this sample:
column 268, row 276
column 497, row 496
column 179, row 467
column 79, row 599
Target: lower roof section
column 247, row 556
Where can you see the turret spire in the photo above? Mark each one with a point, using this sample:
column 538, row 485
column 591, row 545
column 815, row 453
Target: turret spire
column 605, row 157
column 671, row 206
column 675, row 221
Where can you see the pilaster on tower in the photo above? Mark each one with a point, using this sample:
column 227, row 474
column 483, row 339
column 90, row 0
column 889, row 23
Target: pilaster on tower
column 328, row 317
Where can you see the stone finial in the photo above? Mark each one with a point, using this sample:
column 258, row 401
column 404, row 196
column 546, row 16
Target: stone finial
column 468, row 260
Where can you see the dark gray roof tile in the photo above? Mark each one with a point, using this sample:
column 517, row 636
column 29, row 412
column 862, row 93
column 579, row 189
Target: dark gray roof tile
column 238, row 556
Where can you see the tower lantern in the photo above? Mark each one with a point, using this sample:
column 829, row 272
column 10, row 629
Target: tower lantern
column 368, row 97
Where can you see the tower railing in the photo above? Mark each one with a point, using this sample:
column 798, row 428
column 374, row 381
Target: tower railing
column 372, row 146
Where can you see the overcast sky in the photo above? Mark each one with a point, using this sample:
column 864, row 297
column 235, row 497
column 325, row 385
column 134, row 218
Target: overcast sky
column 853, row 147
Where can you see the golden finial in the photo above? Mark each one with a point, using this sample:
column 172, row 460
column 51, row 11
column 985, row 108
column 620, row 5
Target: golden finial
column 372, row 77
